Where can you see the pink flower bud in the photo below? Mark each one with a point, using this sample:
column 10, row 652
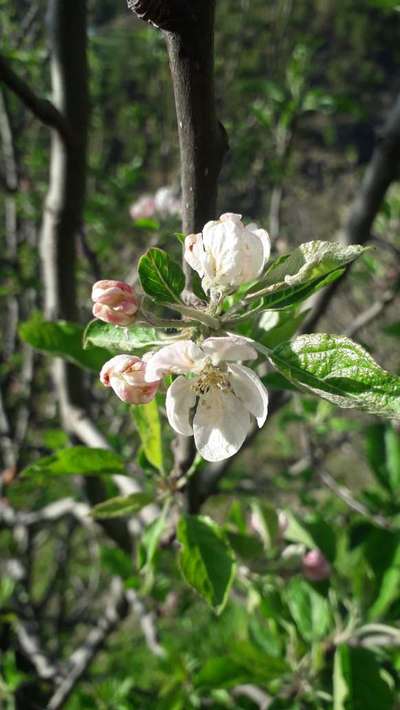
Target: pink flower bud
column 114, row 302
column 315, row 566
column 125, row 374
column 143, row 208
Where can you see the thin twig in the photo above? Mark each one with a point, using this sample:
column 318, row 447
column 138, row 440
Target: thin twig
column 43, row 109
column 79, row 662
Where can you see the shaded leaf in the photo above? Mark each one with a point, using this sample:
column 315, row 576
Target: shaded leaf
column 78, row 460
column 64, row 340
column 150, row 540
column 358, row 683
column 121, row 505
column 206, row 560
column 148, row 424
column 309, row 609
column 243, row 664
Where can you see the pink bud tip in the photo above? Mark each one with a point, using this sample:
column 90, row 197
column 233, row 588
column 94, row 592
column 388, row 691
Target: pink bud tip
column 125, row 374
column 114, row 302
column 315, row 566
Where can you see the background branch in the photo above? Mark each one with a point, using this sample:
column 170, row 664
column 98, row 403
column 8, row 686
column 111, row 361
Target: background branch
column 43, row 109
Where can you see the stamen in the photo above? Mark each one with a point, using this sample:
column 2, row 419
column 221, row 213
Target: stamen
column 211, row 378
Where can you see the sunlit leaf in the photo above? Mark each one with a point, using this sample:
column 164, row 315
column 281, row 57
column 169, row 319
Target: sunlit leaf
column 336, row 369
column 130, row 339
column 161, row 277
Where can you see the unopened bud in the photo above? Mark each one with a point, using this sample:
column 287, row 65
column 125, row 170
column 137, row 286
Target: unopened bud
column 125, row 374
column 114, row 302
column 315, row 566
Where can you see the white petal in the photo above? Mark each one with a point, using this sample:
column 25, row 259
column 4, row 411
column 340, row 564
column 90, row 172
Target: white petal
column 250, row 390
column 231, row 217
column 179, row 401
column 220, row 241
column 178, row 358
column 220, row 425
column 194, row 252
column 228, row 348
column 264, row 236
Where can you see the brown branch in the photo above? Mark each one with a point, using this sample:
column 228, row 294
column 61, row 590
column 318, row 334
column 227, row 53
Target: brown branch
column 382, row 171
column 43, row 109
column 202, row 139
column 165, row 14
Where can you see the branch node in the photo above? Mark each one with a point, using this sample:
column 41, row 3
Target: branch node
column 166, row 15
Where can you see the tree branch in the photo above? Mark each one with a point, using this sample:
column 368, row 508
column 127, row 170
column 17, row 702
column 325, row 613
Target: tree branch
column 116, row 610
column 383, row 169
column 43, row 109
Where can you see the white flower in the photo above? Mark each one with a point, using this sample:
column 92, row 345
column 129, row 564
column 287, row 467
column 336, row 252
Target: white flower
column 167, row 202
column 227, row 253
column 214, row 396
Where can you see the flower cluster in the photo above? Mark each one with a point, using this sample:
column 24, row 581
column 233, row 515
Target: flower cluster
column 213, row 396
column 163, row 203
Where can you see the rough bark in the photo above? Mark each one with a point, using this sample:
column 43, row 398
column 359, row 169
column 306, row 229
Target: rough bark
column 189, row 34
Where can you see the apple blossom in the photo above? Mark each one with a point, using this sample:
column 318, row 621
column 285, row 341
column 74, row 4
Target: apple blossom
column 315, row 566
column 114, row 302
column 126, row 375
column 227, row 253
column 166, row 202
column 214, row 396
column 143, row 208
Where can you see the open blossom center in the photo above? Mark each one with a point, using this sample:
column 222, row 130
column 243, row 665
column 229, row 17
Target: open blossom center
column 211, row 378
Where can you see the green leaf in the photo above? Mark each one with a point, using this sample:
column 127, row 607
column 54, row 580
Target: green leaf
column 62, row 339
column 277, row 327
column 148, row 424
column 358, row 681
column 268, row 520
column 243, row 664
column 313, row 532
column 336, row 369
column 308, row 268
column 311, row 261
column 386, row 4
column 161, row 277
column 287, row 296
column 393, row 329
column 122, row 505
column 129, row 339
column 383, row 454
column 392, row 446
column 309, row 609
column 248, row 547
column 150, row 540
column 276, row 381
column 206, row 560
column 78, row 460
